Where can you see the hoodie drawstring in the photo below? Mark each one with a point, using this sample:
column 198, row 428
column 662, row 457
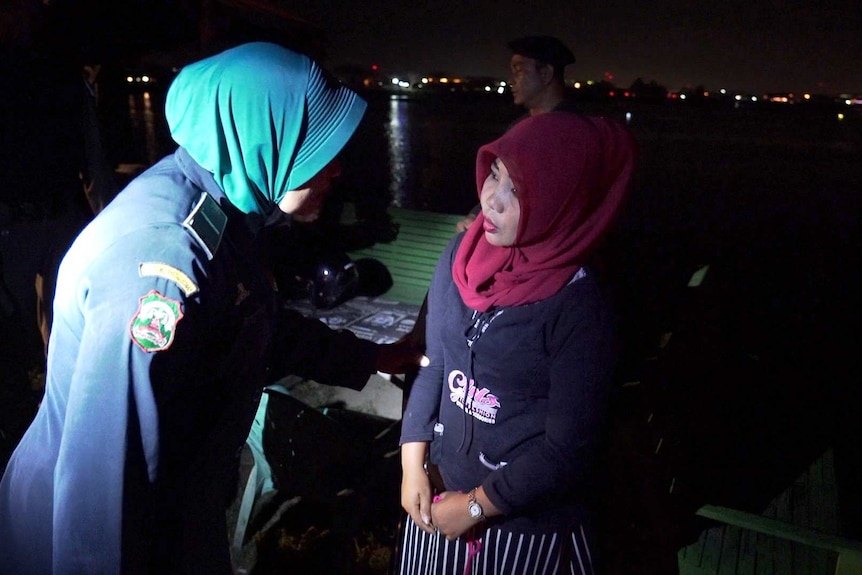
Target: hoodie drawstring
column 479, row 324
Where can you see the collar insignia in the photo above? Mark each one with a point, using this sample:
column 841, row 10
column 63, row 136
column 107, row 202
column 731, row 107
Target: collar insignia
column 206, row 223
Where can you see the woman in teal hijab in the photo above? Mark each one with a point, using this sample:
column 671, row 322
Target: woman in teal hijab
column 262, row 119
column 166, row 330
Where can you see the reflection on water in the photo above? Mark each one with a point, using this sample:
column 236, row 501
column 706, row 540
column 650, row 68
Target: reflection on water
column 143, row 121
column 400, row 151
column 431, row 146
column 412, row 153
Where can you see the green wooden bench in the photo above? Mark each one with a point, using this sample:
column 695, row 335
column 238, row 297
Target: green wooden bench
column 807, row 550
column 412, row 256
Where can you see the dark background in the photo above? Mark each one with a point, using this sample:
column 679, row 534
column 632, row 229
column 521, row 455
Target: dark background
column 762, row 369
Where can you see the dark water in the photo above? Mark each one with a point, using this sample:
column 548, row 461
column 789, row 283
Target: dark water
column 419, row 153
column 410, row 153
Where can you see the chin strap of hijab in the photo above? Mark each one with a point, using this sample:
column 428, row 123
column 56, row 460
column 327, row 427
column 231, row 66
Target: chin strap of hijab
column 572, row 174
column 262, row 119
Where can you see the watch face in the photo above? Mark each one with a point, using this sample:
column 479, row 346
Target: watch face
column 475, row 510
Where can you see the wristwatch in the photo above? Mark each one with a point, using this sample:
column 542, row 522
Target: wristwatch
column 473, row 507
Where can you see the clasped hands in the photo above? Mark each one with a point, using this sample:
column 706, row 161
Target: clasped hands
column 446, row 513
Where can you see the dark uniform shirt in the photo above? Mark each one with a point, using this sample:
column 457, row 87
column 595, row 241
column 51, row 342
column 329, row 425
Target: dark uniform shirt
column 164, row 328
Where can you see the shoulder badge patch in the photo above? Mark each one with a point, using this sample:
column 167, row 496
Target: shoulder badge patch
column 155, row 322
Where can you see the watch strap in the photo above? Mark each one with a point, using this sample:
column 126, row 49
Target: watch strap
column 473, row 504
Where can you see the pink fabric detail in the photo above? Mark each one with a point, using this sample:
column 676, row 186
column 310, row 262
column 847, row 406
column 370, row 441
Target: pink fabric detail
column 474, row 547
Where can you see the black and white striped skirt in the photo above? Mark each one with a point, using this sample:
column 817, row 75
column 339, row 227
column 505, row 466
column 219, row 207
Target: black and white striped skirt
column 498, row 552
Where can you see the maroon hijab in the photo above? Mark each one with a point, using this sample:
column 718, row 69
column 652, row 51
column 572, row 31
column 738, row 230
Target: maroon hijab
column 571, row 174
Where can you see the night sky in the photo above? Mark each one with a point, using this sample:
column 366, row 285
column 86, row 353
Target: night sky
column 755, row 46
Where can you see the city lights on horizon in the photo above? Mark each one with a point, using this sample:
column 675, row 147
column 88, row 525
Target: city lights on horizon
column 501, row 86
column 376, row 79
column 607, row 81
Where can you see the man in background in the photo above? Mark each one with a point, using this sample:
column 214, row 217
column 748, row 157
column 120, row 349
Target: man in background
column 537, row 78
column 537, row 72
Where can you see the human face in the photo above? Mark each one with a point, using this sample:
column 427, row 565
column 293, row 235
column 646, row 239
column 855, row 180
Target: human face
column 500, row 206
column 305, row 203
column 527, row 80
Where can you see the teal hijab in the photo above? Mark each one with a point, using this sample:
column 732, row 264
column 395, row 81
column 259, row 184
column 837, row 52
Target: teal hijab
column 263, row 119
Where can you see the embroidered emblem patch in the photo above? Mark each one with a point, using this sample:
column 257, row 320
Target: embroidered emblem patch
column 155, row 322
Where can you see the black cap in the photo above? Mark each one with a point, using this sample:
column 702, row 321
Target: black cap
column 544, row 49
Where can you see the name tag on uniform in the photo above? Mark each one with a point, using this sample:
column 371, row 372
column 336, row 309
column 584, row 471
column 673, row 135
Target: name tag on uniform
column 169, row 272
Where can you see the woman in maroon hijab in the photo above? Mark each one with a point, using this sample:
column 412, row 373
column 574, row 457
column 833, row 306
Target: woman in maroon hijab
column 521, row 342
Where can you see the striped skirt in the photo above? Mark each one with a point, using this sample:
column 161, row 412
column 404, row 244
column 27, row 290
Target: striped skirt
column 496, row 552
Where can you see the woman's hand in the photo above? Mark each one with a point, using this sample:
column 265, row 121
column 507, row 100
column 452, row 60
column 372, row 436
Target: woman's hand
column 402, row 356
column 415, row 485
column 449, row 514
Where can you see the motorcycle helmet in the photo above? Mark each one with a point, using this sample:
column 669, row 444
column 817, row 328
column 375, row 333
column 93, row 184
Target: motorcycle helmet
column 335, row 280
